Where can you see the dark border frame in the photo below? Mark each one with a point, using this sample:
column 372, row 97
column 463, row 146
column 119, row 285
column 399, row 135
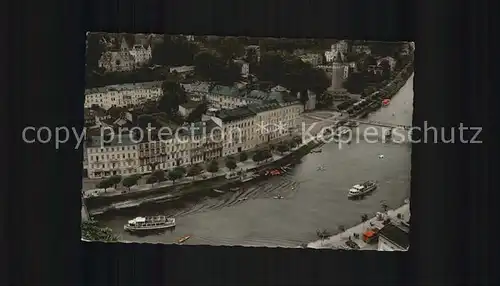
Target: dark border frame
column 44, row 237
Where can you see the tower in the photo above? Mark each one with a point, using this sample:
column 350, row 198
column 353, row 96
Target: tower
column 339, row 71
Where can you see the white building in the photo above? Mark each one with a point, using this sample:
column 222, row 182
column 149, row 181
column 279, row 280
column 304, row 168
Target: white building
column 142, row 55
column 313, row 59
column 124, row 95
column 340, row 47
column 245, row 67
column 197, row 89
column 125, row 58
column 119, row 157
column 393, row 238
column 361, row 49
column 238, row 129
column 311, row 102
column 340, row 72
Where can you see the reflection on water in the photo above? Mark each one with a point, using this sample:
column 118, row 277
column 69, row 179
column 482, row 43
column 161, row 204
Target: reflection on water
column 312, row 199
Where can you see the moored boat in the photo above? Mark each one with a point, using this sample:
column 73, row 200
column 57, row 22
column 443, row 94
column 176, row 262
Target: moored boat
column 183, row 239
column 149, row 223
column 362, row 189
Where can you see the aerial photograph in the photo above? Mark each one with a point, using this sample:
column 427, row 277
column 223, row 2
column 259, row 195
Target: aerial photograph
column 247, row 141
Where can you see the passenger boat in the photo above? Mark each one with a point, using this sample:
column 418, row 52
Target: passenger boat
column 183, row 239
column 362, row 189
column 149, row 223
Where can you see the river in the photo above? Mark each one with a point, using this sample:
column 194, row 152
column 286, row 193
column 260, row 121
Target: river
column 312, row 199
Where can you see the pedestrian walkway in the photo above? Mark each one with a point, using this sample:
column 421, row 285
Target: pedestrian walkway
column 142, row 186
column 338, row 241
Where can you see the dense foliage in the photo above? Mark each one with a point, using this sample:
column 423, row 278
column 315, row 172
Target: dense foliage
column 91, row 231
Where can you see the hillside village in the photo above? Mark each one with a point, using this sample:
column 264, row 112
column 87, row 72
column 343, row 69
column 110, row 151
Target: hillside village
column 219, row 84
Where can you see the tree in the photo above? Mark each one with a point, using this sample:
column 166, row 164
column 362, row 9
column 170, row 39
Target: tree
column 213, row 167
column 322, row 234
column 297, row 139
column 304, row 97
column 159, row 174
column 174, row 51
column 243, row 156
column 282, row 148
column 173, row 96
column 174, row 175
column 229, row 48
column 90, row 230
column 251, row 57
column 181, row 169
column 386, row 68
column 115, row 180
column 194, row 170
column 144, row 120
column 364, row 218
column 130, row 181
column 197, row 113
column 257, row 157
column 207, row 65
column 151, row 180
column 105, row 184
column 384, row 206
column 266, row 154
column 231, row 164
column 95, row 49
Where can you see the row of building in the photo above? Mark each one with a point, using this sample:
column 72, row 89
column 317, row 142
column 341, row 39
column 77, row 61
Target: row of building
column 221, row 133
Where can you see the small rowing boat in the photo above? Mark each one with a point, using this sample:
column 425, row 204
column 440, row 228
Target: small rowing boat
column 183, row 239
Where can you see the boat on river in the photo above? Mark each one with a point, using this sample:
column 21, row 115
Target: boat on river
column 183, row 239
column 362, row 189
column 149, row 223
column 218, row 191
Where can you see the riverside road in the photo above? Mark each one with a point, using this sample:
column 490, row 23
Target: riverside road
column 312, row 198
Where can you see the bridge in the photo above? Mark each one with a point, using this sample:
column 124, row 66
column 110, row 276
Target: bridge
column 381, row 124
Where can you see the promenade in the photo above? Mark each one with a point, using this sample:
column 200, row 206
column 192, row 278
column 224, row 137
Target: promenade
column 338, row 241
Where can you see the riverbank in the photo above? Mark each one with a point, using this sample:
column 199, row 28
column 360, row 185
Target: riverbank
column 101, row 205
column 338, row 240
column 373, row 101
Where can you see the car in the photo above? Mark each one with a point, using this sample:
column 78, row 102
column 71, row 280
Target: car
column 352, row 244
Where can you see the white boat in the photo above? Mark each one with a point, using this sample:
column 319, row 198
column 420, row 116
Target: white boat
column 362, row 189
column 218, row 191
column 278, row 197
column 149, row 223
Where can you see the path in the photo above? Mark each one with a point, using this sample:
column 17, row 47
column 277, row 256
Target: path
column 338, row 241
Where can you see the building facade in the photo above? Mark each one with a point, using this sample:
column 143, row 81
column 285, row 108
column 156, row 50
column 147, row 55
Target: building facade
column 393, row 238
column 119, row 157
column 125, row 58
column 125, row 95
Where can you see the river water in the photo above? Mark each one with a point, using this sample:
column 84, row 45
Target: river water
column 313, row 199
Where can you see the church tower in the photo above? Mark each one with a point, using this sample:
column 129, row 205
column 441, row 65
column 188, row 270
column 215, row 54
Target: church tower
column 340, row 71
column 124, row 46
